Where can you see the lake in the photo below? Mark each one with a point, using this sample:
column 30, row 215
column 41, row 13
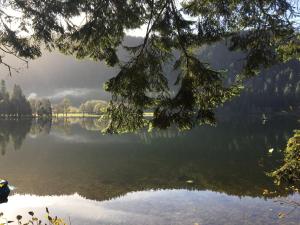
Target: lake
column 209, row 175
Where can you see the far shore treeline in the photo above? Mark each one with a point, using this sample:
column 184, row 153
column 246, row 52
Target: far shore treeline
column 15, row 104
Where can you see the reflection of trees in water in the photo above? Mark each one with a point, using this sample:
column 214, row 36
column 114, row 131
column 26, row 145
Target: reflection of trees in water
column 41, row 126
column 92, row 124
column 4, row 139
column 63, row 124
column 89, row 124
column 231, row 158
column 14, row 131
column 66, row 124
column 148, row 137
column 233, row 134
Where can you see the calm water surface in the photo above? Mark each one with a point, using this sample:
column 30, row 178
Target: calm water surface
column 210, row 175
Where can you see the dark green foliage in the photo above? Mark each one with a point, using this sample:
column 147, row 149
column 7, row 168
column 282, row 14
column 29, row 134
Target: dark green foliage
column 15, row 105
column 19, row 105
column 4, row 96
column 265, row 31
column 289, row 173
column 275, row 90
column 44, row 108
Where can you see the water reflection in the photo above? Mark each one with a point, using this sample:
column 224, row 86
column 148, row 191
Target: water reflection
column 14, row 131
column 210, row 175
column 157, row 207
column 63, row 157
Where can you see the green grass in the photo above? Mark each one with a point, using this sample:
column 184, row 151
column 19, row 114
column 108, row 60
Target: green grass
column 87, row 115
column 76, row 115
column 71, row 115
column 148, row 114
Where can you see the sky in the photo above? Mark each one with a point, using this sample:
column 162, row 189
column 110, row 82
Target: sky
column 56, row 76
column 141, row 32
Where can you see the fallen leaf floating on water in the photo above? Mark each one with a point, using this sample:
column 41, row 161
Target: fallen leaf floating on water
column 265, row 192
column 281, row 215
column 190, row 181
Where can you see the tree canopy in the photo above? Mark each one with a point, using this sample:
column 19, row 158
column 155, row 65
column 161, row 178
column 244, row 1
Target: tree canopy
column 267, row 32
column 14, row 104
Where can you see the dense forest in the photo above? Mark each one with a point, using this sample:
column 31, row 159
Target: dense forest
column 15, row 103
column 276, row 89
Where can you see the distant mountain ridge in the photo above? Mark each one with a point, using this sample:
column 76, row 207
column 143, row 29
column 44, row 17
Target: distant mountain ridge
column 274, row 89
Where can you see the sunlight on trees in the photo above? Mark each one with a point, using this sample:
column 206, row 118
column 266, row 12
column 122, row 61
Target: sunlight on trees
column 289, row 173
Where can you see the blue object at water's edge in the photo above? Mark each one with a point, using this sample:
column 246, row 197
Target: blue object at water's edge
column 4, row 191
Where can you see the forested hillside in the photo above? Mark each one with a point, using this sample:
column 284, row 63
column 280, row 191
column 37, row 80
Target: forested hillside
column 276, row 89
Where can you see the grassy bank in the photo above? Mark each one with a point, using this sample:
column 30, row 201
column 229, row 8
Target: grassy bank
column 62, row 115
column 76, row 115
